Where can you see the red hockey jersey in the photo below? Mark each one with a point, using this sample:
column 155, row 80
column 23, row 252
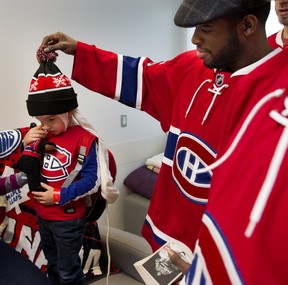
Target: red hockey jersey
column 244, row 232
column 188, row 100
column 57, row 165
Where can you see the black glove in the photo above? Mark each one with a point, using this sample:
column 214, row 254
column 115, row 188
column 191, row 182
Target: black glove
column 32, row 167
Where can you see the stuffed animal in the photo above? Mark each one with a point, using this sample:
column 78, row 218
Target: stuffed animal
column 30, row 162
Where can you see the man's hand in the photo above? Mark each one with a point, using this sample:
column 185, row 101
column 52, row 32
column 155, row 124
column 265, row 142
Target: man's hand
column 59, row 41
column 45, row 198
column 177, row 260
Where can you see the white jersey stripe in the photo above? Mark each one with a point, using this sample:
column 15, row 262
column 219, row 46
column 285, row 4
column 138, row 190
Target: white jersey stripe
column 119, row 77
column 223, row 250
column 139, row 94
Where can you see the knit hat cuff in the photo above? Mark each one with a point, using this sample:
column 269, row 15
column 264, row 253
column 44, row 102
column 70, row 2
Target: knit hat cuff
column 52, row 103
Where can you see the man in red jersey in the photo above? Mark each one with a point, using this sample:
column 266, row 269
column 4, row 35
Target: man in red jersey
column 187, row 95
column 280, row 39
column 243, row 237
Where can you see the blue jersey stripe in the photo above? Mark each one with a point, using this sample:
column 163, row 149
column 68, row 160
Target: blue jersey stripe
column 171, row 145
column 128, row 95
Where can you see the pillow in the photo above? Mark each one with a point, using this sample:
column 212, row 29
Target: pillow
column 155, row 160
column 142, row 181
column 153, row 168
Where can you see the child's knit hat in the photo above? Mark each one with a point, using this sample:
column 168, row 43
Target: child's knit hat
column 50, row 91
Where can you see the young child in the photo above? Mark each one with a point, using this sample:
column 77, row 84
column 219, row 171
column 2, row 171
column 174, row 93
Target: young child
column 61, row 208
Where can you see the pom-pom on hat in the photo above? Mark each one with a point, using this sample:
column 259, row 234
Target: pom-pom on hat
column 50, row 90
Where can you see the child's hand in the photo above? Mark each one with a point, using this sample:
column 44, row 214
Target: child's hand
column 34, row 134
column 45, row 198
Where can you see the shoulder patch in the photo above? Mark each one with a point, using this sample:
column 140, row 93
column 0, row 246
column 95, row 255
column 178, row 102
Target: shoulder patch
column 9, row 141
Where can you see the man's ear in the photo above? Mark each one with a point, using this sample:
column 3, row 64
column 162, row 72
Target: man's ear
column 249, row 24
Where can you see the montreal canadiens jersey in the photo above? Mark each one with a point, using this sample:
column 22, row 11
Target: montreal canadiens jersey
column 188, row 100
column 244, row 232
column 57, row 165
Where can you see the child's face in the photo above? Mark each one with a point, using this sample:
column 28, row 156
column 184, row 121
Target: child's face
column 52, row 123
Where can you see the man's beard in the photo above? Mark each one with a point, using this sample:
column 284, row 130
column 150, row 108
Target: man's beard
column 228, row 57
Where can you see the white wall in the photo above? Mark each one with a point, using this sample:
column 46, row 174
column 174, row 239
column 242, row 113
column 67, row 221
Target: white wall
column 128, row 26
column 132, row 27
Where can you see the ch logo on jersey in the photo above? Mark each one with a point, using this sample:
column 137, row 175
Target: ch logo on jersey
column 9, row 141
column 187, row 160
column 55, row 164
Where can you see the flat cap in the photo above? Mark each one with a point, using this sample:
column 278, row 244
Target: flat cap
column 196, row 12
